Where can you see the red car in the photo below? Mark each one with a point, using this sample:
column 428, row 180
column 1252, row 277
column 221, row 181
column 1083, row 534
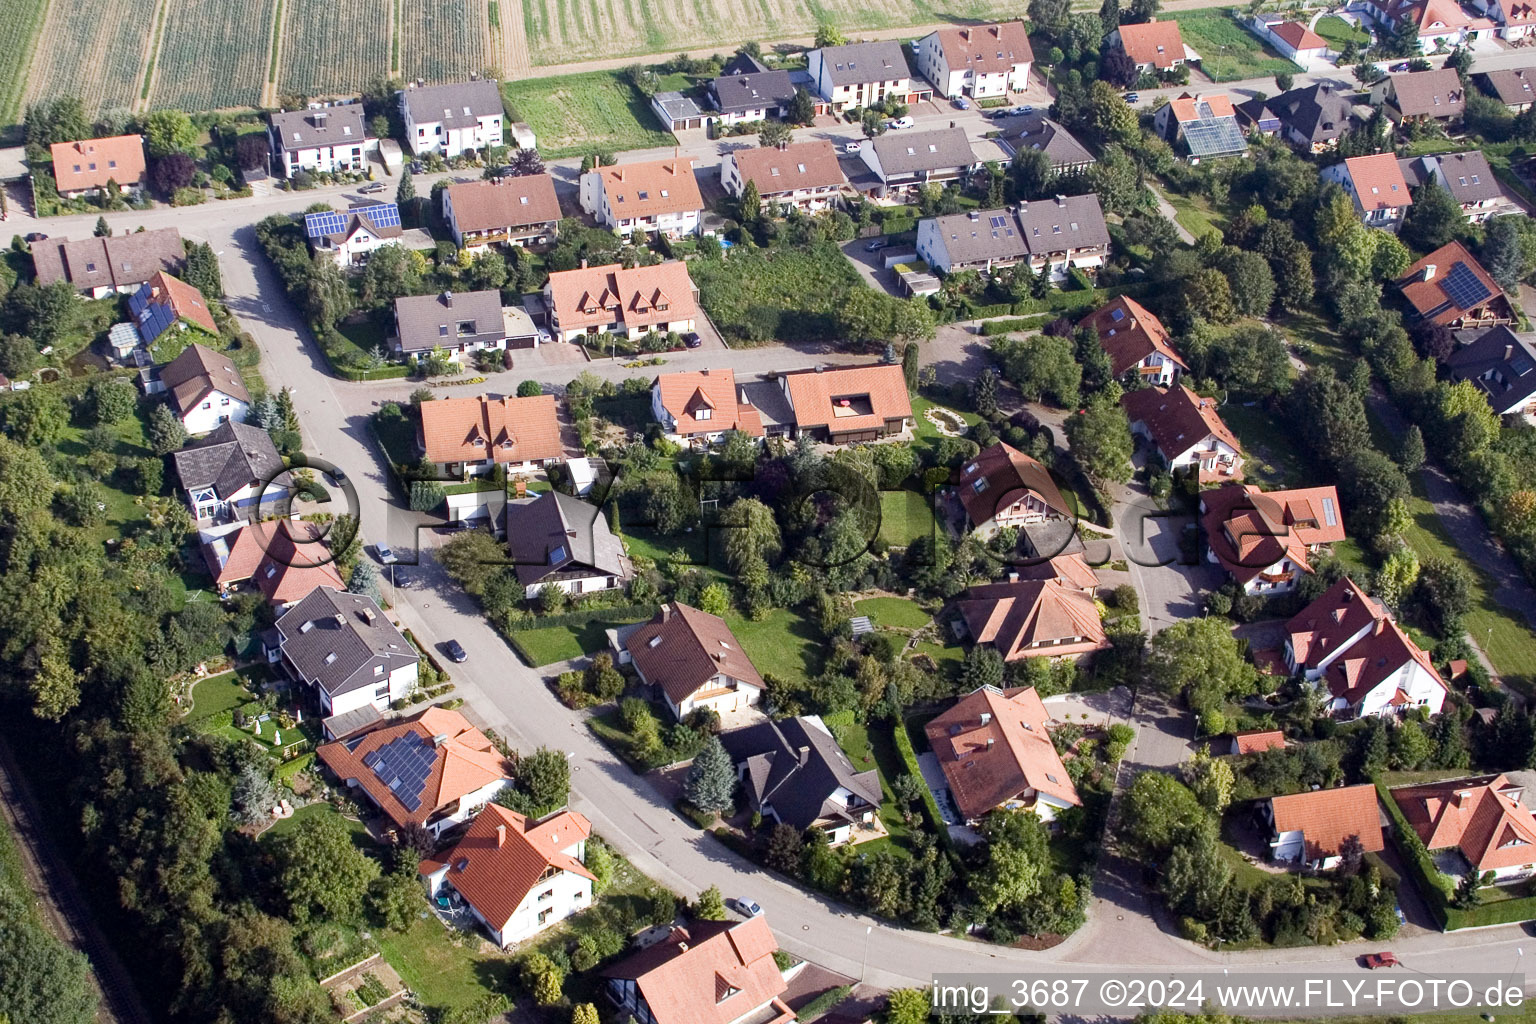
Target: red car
column 1375, row 960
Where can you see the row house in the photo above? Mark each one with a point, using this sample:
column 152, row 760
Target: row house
column 629, row 302
column 1051, row 235
column 116, row 264
column 904, row 160
column 863, row 74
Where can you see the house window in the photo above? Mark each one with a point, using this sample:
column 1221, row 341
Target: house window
column 702, row 414
column 207, row 405
column 442, row 330
column 467, row 328
column 544, row 914
column 547, row 894
column 381, row 691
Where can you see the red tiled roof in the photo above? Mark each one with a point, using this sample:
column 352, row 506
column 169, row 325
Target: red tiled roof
column 1255, row 740
column 1156, row 42
column 993, row 745
column 1178, row 419
column 1032, row 618
column 651, row 188
column 91, row 163
column 1131, row 336
column 1323, row 627
column 1070, row 570
column 811, row 164
column 1249, row 530
column 1298, row 36
column 504, row 202
column 1007, row 476
column 1186, row 107
column 638, row 292
column 684, row 395
column 503, row 855
column 986, row 49
column 523, row 429
column 1428, row 295
column 683, row 648
column 185, row 301
column 818, row 397
column 1378, row 180
column 1326, row 817
column 712, row 972
column 1483, row 817
column 286, row 558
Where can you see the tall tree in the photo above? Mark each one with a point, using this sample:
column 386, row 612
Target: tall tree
column 1434, row 218
column 711, row 782
column 1109, row 16
column 1100, row 437
column 775, row 134
column 1015, row 863
column 202, row 270
column 1202, row 660
column 169, row 131
column 322, row 873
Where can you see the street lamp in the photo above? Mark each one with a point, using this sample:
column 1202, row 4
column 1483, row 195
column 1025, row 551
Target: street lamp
column 865, row 965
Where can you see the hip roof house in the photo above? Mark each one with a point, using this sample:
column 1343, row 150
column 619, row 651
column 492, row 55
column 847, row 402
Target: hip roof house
column 995, row 751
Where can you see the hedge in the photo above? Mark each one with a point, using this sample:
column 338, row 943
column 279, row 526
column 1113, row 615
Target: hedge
column 621, row 613
column 930, row 805
column 389, row 372
column 1023, row 323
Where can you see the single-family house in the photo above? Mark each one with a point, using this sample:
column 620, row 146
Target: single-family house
column 1482, row 820
column 863, row 74
column 325, row 139
column 1513, row 87
column 750, row 93
column 1349, row 644
column 1256, row 741
column 517, row 876
column 995, row 751
column 1262, row 539
column 1053, row 235
column 711, row 972
column 235, row 472
column 846, row 404
column 1450, row 288
column 1002, row 487
column 693, row 660
column 345, row 648
column 166, row 303
column 470, row 436
column 1258, row 117
column 1312, row 829
column 1311, row 118
column 626, row 301
column 1467, row 177
column 1291, row 39
column 980, row 61
column 1503, row 366
column 1204, row 123
column 117, row 264
column 1136, row 340
column 205, row 389
column 1186, row 431
column 699, row 407
column 88, row 167
column 905, row 159
column 452, row 119
column 1377, row 186
column 803, row 175
column 502, row 211
column 457, row 322
column 655, row 196
column 432, row 769
column 557, row 540
column 285, row 559
column 1515, row 19
column 1439, row 24
column 1032, row 619
column 1037, row 131
column 677, row 112
column 1421, row 96
column 350, row 236
column 793, row 772
column 1154, row 46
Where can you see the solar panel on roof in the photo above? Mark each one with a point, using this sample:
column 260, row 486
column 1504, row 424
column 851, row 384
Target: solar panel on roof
column 404, row 764
column 324, row 223
column 1521, row 366
column 1463, row 288
column 385, row 215
column 1329, row 515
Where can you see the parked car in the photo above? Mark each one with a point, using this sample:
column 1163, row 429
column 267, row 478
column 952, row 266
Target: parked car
column 1371, row 961
column 385, row 556
column 1025, row 109
column 876, row 245
column 377, row 186
column 902, row 122
column 456, row 651
column 852, row 147
column 1133, row 97
column 37, row 236
column 961, row 103
column 750, row 908
column 692, row 339
column 1403, row 66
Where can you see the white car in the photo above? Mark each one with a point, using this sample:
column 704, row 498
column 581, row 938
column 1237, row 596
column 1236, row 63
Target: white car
column 902, row 122
column 386, row 556
column 748, row 908
column 852, row 147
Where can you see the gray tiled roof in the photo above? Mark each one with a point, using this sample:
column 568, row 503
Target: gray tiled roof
column 230, row 457
column 338, row 639
column 431, row 104
column 1468, row 177
column 795, row 765
column 908, row 151
column 736, row 93
column 982, row 235
column 856, row 63
column 1080, row 221
column 1036, row 131
column 676, row 105
column 422, row 319
column 118, row 261
column 558, row 536
column 338, row 125
column 1512, row 86
column 1500, row 362
column 1319, row 113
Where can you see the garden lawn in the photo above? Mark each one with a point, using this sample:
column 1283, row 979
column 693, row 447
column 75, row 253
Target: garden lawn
column 550, row 644
column 873, row 749
column 681, row 548
column 1228, row 52
column 905, row 516
column 223, row 692
column 1194, row 213
column 785, row 644
column 1326, row 347
column 444, row 974
column 1273, row 458
column 1338, row 32
column 359, row 831
column 574, row 115
column 893, row 611
column 792, row 294
column 123, row 511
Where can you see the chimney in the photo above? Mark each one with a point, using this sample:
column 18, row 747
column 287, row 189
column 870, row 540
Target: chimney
column 952, row 124
column 368, row 616
column 341, row 620
column 1429, row 273
column 1013, row 577
column 820, row 367
column 990, row 741
column 583, row 263
column 439, row 739
column 618, row 174
column 1509, row 352
column 666, row 612
column 448, row 299
column 965, row 34
column 986, row 718
column 1061, row 200
column 705, row 371
column 501, row 836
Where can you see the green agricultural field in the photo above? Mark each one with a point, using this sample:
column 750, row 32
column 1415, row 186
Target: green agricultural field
column 1228, row 52
column 213, row 56
column 97, row 57
column 578, row 114
column 460, row 34
column 803, row 286
column 316, row 61
column 24, row 19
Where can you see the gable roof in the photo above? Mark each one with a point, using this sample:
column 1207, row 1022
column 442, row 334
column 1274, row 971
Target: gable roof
column 455, row 105
column 1320, row 630
column 426, row 321
column 1063, row 222
column 907, row 152
column 287, row 559
column 980, row 235
column 1253, row 741
column 1437, row 93
column 336, row 226
column 1156, row 42
column 341, row 641
column 810, row 164
column 1449, row 283
column 1201, row 106
column 1177, row 418
column 1326, row 817
column 503, row 855
column 417, row 767
column 556, row 536
column 638, row 292
column 1297, row 36
column 1208, row 124
column 1129, row 333
column 651, row 188
column 504, row 202
column 735, row 93
column 163, row 301
column 986, row 49
column 1037, row 131
column 1516, row 12
column 1069, row 568
column 1482, row 816
column 1513, row 86
column 1501, row 363
column 815, row 396
column 1318, row 113
column 684, row 394
column 1378, row 182
column 1006, row 475
column 857, row 63
column 682, row 648
column 993, row 745
column 1031, row 618
column 712, row 972
column 232, row 456
column 525, row 429
column 1326, row 629
column 198, row 372
column 116, row 261
column 1267, row 526
column 1467, row 176
column 340, row 124
column 91, row 163
column 795, row 766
